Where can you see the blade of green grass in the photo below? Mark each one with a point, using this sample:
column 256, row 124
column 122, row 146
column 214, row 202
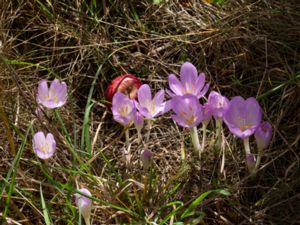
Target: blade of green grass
column 17, row 62
column 189, row 211
column 44, row 9
column 85, row 136
column 62, row 125
column 45, row 210
column 172, row 213
column 282, row 85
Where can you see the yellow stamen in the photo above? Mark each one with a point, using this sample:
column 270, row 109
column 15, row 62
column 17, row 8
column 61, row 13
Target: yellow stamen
column 124, row 110
column 244, row 127
column 191, row 120
column 44, row 148
column 152, row 106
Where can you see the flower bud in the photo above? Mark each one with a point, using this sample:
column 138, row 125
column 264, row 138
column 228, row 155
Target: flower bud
column 127, row 84
column 84, row 204
column 138, row 121
column 250, row 162
column 146, row 158
column 263, row 135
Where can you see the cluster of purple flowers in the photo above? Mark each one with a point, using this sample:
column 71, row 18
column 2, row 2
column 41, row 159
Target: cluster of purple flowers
column 243, row 117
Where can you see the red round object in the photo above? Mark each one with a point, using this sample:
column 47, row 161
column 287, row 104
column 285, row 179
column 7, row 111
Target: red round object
column 127, row 84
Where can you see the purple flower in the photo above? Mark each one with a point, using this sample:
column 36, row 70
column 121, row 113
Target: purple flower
column 188, row 110
column 52, row 97
column 84, row 203
column 217, row 104
column 43, row 146
column 123, row 109
column 243, row 116
column 149, row 107
column 190, row 82
column 263, row 135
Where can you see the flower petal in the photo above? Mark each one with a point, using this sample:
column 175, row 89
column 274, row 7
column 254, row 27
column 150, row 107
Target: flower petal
column 118, row 98
column 39, row 139
column 188, row 74
column 51, row 143
column 233, row 116
column 121, row 119
column 175, row 85
column 43, row 91
column 62, row 94
column 254, row 114
column 199, row 84
column 54, row 88
column 203, row 91
column 144, row 96
column 181, row 121
column 159, row 98
column 50, row 104
column 145, row 112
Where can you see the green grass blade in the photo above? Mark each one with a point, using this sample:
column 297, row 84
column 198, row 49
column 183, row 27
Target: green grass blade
column 172, row 213
column 85, row 137
column 44, row 9
column 45, row 210
column 17, row 62
column 280, row 86
column 62, row 125
column 189, row 211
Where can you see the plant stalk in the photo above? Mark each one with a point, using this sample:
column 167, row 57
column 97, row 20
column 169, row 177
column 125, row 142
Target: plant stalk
column 195, row 140
column 87, row 220
column 246, row 145
column 204, row 126
column 248, row 152
column 219, row 133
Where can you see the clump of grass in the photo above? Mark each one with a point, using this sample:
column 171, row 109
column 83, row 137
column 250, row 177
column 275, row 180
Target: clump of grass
column 248, row 49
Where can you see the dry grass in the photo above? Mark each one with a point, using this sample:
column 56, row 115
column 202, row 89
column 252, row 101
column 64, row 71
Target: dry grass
column 248, row 48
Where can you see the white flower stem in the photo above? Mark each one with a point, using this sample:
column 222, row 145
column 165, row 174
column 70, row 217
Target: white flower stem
column 195, row 140
column 246, row 145
column 204, row 125
column 219, row 144
column 219, row 133
column 223, row 161
column 248, row 152
column 87, row 220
